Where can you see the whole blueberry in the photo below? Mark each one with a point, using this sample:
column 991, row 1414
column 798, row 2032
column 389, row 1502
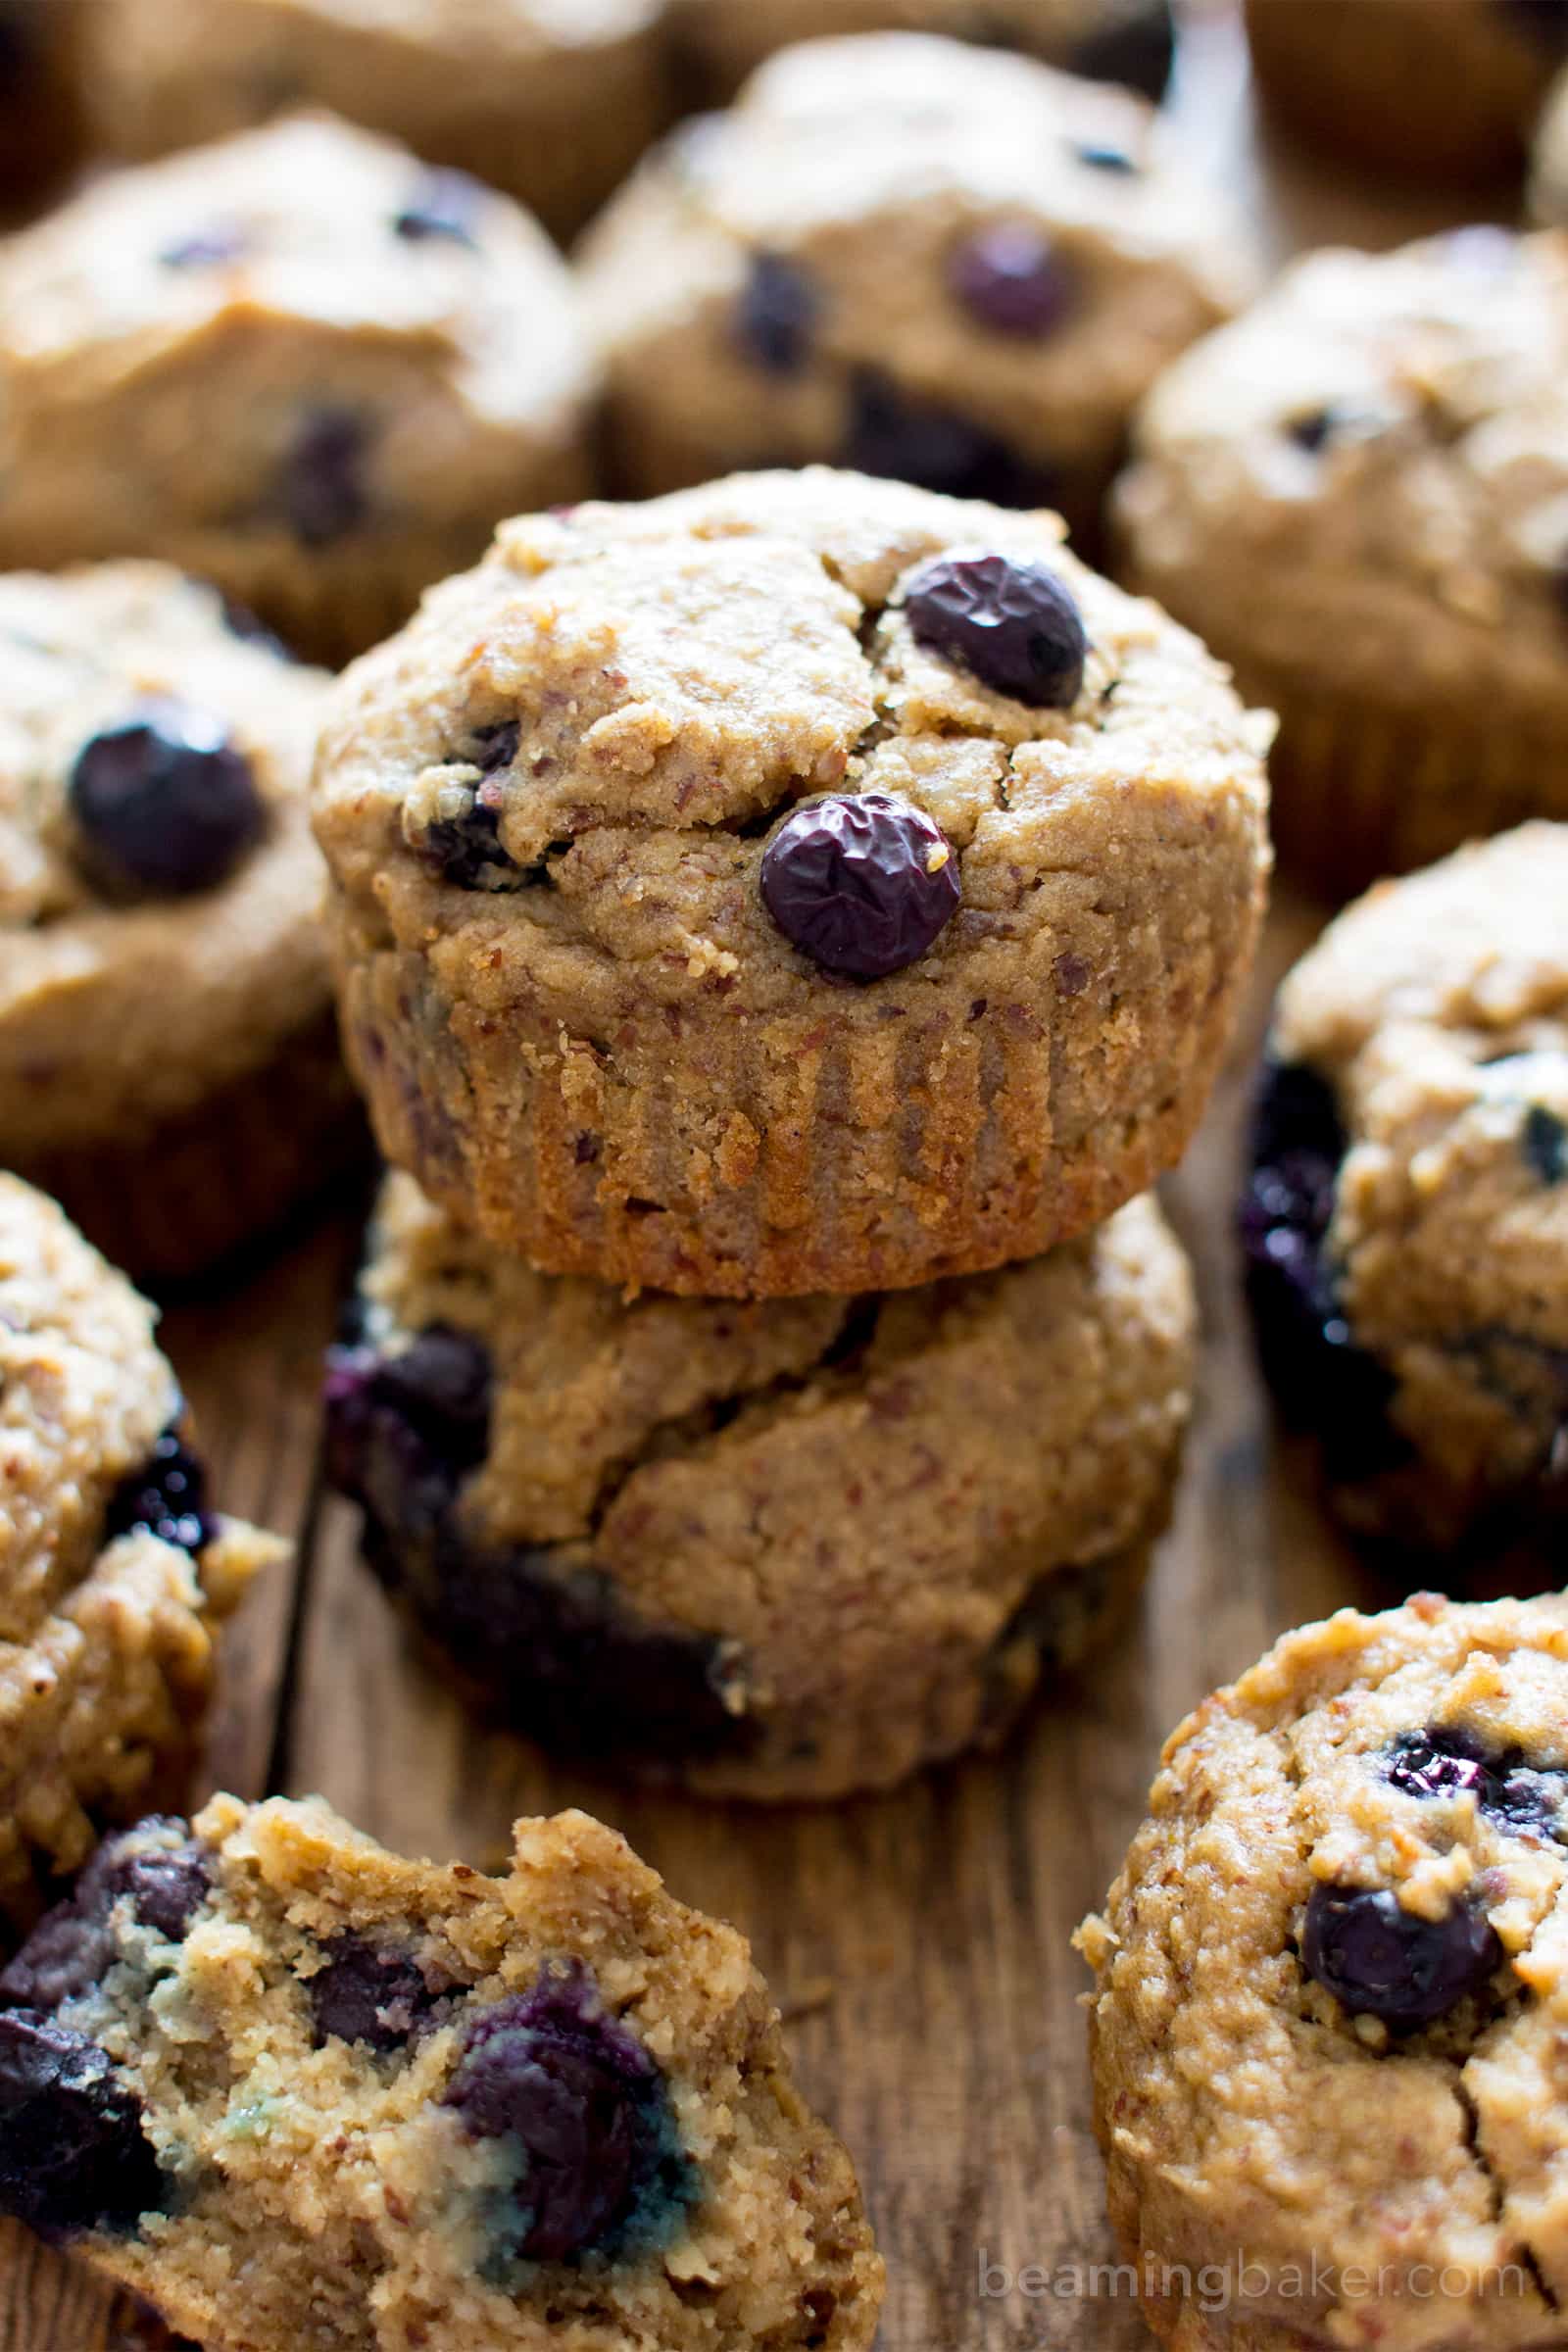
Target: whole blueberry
column 445, row 205
column 775, row 314
column 73, row 2152
column 165, row 799
column 165, row 1875
column 168, row 1497
column 1015, row 626
column 1439, row 1763
column 1380, row 1960
column 861, row 883
column 577, row 2098
column 901, row 437
column 362, row 1992
column 321, row 484
column 1011, row 279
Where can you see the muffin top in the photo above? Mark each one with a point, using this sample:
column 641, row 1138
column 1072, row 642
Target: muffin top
column 159, row 888
column 298, row 332
column 1436, row 1011
column 1372, row 465
column 1331, row 1974
column 586, row 759
column 976, row 229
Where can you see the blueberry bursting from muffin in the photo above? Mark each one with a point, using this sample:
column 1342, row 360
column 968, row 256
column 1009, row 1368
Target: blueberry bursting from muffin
column 1387, row 1492
column 582, row 2109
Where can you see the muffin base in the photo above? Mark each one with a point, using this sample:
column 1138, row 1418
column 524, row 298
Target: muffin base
column 1361, row 791
column 173, row 1205
column 590, row 1678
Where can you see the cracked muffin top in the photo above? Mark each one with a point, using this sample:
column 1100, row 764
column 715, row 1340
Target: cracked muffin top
column 587, row 752
column 296, row 349
column 1328, row 2016
column 113, row 1570
column 1375, row 461
column 158, row 887
column 991, row 241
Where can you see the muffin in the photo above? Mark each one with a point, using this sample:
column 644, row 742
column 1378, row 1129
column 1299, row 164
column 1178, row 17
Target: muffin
column 113, row 1573
column 550, row 100
column 801, row 884
column 784, row 1550
column 1358, row 494
column 968, row 283
column 1549, row 180
column 1326, row 2030
column 169, row 1062
column 1408, row 1220
column 1440, row 92
column 303, row 2096
column 299, row 365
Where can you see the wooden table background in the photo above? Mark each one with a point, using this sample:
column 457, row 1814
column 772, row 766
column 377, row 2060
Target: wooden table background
column 918, row 1945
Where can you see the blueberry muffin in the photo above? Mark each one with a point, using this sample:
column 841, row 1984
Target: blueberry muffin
column 1358, row 494
column 778, row 1550
column 113, row 1572
column 1326, row 2030
column 550, row 100
column 168, row 1064
column 1548, row 181
column 969, row 284
column 1130, row 41
column 1440, row 89
column 300, row 365
column 1406, row 1226
column 304, row 2095
column 801, row 884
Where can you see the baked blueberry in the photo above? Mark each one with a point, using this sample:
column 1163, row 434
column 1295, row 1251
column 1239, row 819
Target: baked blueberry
column 445, row 205
column 1010, row 279
column 1015, row 626
column 322, row 487
column 775, row 314
column 1544, row 1140
column 157, row 1867
column 467, row 848
column 1380, row 1960
column 896, row 436
column 861, row 882
column 583, row 2106
column 169, row 1498
column 164, row 800
column 73, row 2152
column 361, row 1992
column 1439, row 1763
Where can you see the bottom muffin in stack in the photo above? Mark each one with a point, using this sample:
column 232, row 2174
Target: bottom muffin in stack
column 779, row 1550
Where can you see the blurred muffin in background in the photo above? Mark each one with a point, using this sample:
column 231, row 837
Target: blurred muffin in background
column 1549, row 179
column 1130, row 41
column 969, row 285
column 1437, row 89
column 299, row 363
column 168, row 1064
column 40, row 128
column 1357, row 495
column 552, row 100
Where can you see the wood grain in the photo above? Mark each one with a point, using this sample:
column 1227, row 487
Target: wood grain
column 920, row 1944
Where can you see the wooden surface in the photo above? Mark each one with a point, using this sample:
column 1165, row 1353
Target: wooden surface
column 919, row 1945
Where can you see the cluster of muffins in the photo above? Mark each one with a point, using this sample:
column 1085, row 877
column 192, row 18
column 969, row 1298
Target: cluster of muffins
column 780, row 930
column 816, row 907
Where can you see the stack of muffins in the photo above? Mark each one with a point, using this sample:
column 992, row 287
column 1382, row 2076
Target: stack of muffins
column 779, row 931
